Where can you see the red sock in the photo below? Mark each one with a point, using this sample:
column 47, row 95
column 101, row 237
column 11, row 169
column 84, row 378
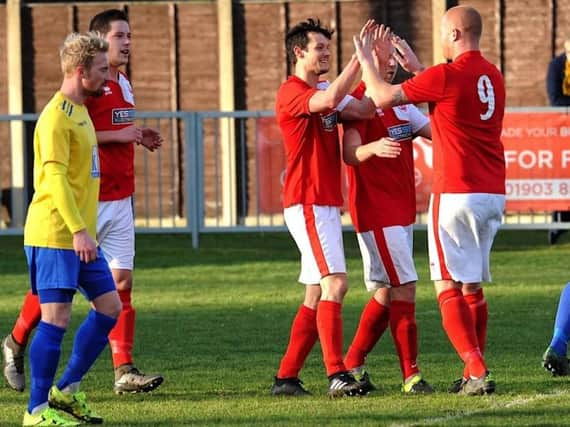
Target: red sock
column 458, row 325
column 303, row 337
column 373, row 323
column 405, row 334
column 479, row 313
column 329, row 324
column 122, row 336
column 30, row 315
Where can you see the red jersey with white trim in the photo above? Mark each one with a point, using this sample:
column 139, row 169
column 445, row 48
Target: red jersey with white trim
column 114, row 110
column 311, row 147
column 466, row 105
column 382, row 190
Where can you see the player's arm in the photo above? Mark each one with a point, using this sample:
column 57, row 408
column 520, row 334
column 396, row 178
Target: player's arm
column 354, row 152
column 323, row 100
column 358, row 109
column 122, row 136
column 425, row 131
column 62, row 196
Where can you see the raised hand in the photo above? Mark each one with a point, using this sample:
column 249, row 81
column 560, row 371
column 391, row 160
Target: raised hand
column 383, row 43
column 406, row 56
column 368, row 26
column 364, row 43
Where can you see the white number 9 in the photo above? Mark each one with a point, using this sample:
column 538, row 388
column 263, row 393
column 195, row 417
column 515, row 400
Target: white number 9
column 486, row 95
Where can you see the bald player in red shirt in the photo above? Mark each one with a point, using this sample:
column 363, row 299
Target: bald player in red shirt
column 307, row 116
column 466, row 101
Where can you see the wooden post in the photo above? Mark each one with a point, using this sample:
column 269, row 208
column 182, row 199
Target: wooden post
column 15, row 106
column 227, row 103
column 438, row 9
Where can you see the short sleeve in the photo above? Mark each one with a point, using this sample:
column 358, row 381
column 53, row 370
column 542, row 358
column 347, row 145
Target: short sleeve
column 359, row 91
column 428, row 86
column 293, row 98
column 417, row 119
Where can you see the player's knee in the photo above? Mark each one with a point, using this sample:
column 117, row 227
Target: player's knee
column 470, row 288
column 123, row 279
column 406, row 292
column 60, row 319
column 109, row 304
column 383, row 296
column 312, row 296
column 334, row 287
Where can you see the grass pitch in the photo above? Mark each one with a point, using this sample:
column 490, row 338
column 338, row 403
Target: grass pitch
column 216, row 321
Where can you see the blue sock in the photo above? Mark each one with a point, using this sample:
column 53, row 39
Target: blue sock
column 44, row 358
column 562, row 323
column 90, row 340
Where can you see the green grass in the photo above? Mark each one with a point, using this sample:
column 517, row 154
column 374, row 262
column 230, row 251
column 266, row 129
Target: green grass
column 215, row 322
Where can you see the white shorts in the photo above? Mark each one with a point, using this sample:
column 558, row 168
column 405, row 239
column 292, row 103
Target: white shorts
column 387, row 257
column 461, row 229
column 317, row 231
column 116, row 233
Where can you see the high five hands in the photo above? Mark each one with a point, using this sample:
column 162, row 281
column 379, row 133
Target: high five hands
column 376, row 43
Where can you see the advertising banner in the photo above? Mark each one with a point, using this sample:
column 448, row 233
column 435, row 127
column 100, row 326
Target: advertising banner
column 537, row 156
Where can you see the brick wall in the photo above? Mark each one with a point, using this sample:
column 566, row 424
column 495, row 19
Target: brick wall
column 174, row 65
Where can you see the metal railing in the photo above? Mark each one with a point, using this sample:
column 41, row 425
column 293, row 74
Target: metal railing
column 193, row 185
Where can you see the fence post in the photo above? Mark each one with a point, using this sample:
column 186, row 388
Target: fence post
column 18, row 162
column 190, row 174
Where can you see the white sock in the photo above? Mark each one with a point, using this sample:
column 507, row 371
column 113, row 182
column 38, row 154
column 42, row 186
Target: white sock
column 72, row 388
column 39, row 408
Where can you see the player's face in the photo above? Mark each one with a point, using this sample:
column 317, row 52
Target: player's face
column 389, row 68
column 316, row 57
column 93, row 79
column 119, row 39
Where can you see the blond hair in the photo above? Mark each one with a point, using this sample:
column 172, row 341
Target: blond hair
column 80, row 49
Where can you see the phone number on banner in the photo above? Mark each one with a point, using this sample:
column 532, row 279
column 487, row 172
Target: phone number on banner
column 533, row 189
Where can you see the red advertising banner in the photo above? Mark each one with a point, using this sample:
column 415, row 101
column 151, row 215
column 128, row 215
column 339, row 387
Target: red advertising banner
column 537, row 156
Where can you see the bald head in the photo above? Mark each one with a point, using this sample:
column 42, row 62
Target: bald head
column 466, row 19
column 461, row 28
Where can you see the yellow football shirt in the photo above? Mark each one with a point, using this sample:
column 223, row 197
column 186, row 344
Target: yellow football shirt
column 66, row 176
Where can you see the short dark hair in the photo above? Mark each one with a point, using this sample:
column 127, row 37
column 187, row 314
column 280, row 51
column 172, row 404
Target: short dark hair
column 298, row 36
column 102, row 21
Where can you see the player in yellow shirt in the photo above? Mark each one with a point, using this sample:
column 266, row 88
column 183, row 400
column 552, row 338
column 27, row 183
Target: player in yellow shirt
column 59, row 239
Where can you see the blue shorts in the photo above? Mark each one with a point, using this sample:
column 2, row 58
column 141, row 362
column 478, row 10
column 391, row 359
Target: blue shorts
column 60, row 269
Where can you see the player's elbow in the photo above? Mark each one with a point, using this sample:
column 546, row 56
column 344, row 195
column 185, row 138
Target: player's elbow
column 332, row 100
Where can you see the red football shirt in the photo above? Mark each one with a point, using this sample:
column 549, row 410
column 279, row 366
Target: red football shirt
column 466, row 105
column 114, row 110
column 381, row 190
column 311, row 146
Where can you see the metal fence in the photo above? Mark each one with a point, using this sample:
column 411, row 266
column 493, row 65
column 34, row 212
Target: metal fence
column 216, row 172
